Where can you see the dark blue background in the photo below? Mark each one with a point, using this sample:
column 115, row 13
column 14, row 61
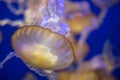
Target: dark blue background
column 15, row 69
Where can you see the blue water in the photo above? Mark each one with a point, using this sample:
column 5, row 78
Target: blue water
column 15, row 69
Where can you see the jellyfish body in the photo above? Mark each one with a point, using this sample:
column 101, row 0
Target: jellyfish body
column 79, row 16
column 77, row 25
column 42, row 48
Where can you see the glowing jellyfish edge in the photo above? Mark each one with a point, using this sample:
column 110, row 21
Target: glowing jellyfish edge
column 24, row 35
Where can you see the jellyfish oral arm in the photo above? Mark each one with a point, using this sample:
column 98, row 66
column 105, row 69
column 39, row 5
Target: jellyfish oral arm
column 111, row 61
column 52, row 17
column 9, row 56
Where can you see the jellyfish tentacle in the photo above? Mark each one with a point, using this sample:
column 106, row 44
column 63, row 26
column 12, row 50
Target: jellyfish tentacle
column 15, row 11
column 83, row 47
column 39, row 72
column 9, row 56
column 112, row 62
column 101, row 17
column 17, row 23
column 52, row 75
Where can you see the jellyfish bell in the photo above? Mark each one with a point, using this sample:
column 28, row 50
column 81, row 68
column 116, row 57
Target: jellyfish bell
column 42, row 48
column 77, row 25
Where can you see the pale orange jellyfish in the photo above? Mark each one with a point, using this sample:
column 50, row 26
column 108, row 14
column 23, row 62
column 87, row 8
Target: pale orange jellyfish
column 42, row 48
column 105, row 61
column 78, row 16
column 78, row 25
column 67, row 75
column 95, row 74
column 98, row 68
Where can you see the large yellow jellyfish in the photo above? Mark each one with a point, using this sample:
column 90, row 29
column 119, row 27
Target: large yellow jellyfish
column 42, row 48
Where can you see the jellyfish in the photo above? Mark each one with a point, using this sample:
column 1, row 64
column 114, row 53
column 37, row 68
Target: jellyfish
column 78, row 15
column 105, row 61
column 67, row 75
column 95, row 74
column 47, row 46
column 43, row 46
column 110, row 59
column 99, row 67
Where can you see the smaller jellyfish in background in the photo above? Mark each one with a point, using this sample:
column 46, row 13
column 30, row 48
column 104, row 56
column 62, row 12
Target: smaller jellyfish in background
column 29, row 76
column 1, row 38
column 96, row 74
column 67, row 75
column 105, row 61
column 78, row 15
column 98, row 68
